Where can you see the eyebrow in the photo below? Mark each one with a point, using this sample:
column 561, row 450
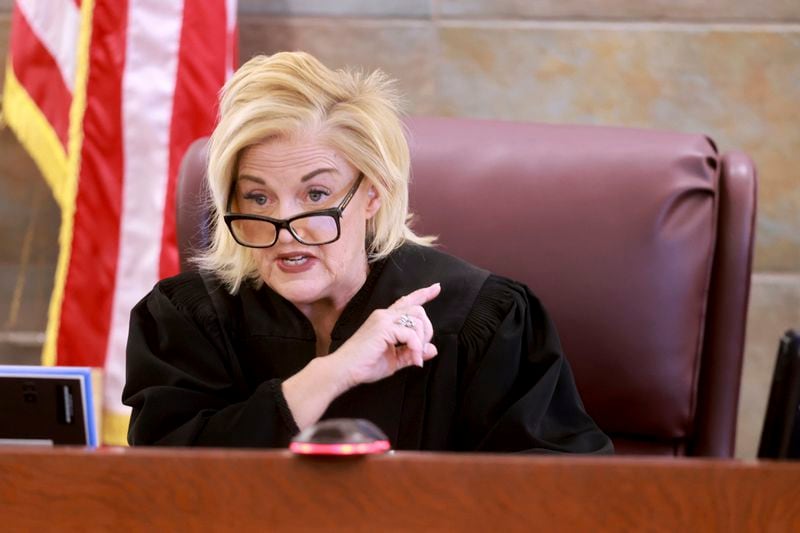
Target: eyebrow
column 316, row 172
column 304, row 179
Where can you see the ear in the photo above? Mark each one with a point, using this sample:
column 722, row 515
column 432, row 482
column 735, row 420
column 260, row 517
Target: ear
column 373, row 202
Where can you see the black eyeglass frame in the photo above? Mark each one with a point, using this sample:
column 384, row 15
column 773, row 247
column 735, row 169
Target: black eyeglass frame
column 334, row 212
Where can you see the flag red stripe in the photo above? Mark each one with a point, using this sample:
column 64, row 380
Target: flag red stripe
column 89, row 289
column 38, row 72
column 201, row 73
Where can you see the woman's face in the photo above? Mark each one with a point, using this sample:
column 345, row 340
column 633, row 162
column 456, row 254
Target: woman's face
column 282, row 178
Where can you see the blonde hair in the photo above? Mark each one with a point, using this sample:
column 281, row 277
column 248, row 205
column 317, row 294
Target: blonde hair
column 357, row 114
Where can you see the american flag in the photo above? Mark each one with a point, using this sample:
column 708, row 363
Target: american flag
column 106, row 95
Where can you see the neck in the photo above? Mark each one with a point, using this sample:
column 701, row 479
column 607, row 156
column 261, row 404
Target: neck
column 323, row 314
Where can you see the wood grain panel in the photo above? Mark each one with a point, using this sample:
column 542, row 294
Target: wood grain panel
column 135, row 490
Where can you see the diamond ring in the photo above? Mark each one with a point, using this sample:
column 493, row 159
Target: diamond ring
column 405, row 320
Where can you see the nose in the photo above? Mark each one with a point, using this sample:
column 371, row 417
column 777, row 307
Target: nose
column 286, row 211
column 287, row 206
column 285, row 236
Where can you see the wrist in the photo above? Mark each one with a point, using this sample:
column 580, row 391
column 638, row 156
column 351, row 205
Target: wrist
column 309, row 392
column 334, row 372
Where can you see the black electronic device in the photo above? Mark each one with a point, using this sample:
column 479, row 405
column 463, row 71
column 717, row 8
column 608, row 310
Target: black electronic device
column 47, row 406
column 341, row 436
column 780, row 435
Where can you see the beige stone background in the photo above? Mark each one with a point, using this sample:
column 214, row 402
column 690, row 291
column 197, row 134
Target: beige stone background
column 728, row 68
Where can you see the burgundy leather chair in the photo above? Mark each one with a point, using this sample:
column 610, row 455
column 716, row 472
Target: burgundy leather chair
column 638, row 242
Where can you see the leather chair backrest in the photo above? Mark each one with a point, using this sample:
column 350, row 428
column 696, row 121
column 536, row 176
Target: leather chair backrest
column 638, row 242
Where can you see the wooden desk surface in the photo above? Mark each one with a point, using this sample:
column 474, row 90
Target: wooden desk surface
column 69, row 489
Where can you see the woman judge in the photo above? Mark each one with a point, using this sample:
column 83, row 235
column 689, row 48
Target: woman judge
column 316, row 300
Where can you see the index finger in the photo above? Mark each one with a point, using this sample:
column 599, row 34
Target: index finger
column 418, row 297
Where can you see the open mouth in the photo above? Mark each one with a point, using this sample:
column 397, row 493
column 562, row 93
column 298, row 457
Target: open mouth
column 295, row 260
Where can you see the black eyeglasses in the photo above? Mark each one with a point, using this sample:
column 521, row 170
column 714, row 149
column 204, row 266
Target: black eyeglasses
column 313, row 228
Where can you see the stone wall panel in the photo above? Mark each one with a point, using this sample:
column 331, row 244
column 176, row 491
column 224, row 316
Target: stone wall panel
column 404, row 50
column 339, row 8
column 638, row 10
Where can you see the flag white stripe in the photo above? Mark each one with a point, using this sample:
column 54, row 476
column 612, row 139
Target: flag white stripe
column 230, row 12
column 148, row 87
column 57, row 24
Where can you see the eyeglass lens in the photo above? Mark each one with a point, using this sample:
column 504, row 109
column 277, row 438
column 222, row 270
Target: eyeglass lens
column 314, row 229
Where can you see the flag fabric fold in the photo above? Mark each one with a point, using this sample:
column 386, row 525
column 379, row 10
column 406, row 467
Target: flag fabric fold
column 106, row 95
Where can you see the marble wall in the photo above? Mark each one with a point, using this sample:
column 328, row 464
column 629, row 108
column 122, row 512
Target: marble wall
column 728, row 68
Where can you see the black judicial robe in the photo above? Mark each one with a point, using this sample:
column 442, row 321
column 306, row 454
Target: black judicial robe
column 205, row 367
